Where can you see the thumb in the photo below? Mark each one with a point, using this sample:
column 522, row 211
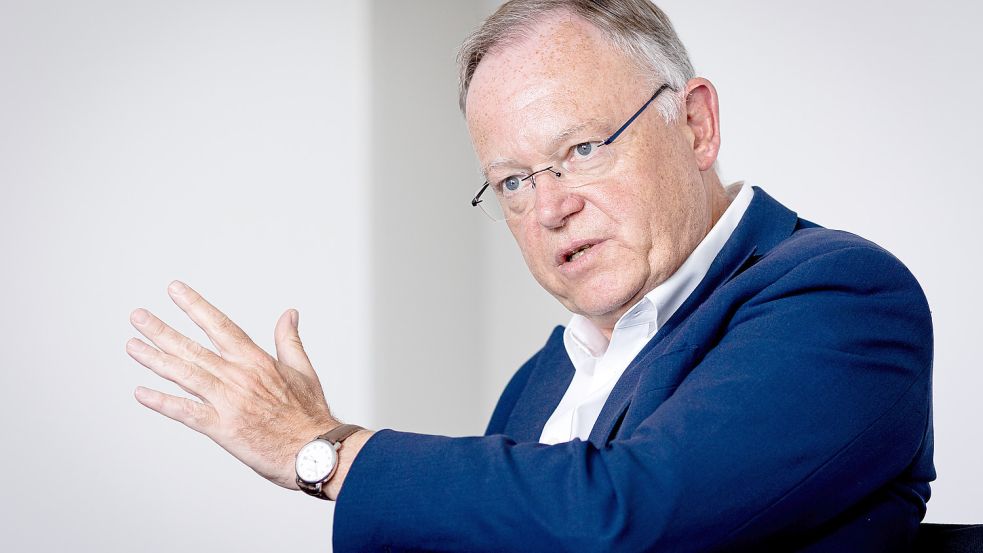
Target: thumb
column 289, row 348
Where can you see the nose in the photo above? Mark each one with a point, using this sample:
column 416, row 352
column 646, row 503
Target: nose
column 554, row 202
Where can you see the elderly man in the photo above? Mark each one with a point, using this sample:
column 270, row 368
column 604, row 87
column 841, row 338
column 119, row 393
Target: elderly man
column 733, row 377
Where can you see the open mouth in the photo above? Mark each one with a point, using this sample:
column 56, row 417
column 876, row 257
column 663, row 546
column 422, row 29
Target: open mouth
column 577, row 252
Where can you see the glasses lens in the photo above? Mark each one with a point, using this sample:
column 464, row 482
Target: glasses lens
column 595, row 160
column 490, row 206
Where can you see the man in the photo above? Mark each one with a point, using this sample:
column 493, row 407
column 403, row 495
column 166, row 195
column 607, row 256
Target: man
column 734, row 377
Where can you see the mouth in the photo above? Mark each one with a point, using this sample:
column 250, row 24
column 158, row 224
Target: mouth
column 575, row 251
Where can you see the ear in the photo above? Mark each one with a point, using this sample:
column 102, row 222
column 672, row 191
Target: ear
column 703, row 121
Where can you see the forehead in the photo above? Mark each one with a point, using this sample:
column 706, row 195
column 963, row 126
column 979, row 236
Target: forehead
column 563, row 72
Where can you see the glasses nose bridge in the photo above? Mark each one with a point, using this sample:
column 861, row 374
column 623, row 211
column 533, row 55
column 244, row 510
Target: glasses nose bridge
column 555, row 173
column 551, row 198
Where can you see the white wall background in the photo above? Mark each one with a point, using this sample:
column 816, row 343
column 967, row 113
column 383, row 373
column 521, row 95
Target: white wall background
column 222, row 143
column 310, row 154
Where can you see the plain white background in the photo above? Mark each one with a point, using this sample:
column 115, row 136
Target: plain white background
column 311, row 155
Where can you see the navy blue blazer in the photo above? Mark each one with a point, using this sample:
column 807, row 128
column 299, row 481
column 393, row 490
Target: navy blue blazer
column 786, row 406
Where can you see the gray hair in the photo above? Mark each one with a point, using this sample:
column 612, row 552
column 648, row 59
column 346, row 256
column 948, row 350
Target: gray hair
column 637, row 27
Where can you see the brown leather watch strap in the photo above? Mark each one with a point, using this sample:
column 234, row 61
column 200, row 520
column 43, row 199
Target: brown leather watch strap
column 339, row 433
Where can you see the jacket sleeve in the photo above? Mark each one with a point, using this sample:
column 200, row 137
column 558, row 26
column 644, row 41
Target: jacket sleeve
column 816, row 395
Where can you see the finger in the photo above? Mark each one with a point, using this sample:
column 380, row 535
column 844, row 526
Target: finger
column 231, row 341
column 188, row 376
column 194, row 415
column 173, row 342
column 289, row 348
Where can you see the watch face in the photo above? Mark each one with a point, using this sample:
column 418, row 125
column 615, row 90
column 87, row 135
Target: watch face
column 315, row 461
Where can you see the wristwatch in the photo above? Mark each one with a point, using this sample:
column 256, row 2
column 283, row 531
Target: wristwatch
column 318, row 460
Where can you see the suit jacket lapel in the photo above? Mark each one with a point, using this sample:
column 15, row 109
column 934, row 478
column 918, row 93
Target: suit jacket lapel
column 550, row 379
column 765, row 224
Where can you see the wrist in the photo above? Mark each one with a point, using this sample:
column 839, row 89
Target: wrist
column 346, row 457
column 321, row 464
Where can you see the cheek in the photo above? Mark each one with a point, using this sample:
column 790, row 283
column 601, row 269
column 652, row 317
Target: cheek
column 538, row 255
column 530, row 245
column 655, row 212
column 625, row 210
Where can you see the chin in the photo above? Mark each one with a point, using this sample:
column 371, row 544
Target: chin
column 604, row 296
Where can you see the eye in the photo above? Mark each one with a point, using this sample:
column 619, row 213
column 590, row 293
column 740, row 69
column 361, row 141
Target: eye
column 585, row 149
column 512, row 183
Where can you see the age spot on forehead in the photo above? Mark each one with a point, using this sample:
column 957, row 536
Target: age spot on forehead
column 559, row 44
column 563, row 71
column 561, row 48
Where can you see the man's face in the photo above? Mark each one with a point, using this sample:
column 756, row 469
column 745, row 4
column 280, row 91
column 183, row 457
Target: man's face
column 644, row 217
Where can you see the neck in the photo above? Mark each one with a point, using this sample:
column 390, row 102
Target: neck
column 718, row 198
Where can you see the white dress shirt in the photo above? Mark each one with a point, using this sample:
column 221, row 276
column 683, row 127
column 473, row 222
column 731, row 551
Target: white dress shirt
column 599, row 363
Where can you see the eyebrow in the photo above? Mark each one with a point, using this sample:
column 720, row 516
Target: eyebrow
column 553, row 144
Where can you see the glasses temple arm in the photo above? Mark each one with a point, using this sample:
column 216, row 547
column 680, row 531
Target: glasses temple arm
column 477, row 197
column 637, row 113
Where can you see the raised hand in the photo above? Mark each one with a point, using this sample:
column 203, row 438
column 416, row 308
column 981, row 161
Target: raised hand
column 259, row 408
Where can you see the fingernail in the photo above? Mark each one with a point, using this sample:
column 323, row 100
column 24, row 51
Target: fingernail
column 139, row 316
column 177, row 287
column 136, row 345
column 294, row 316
